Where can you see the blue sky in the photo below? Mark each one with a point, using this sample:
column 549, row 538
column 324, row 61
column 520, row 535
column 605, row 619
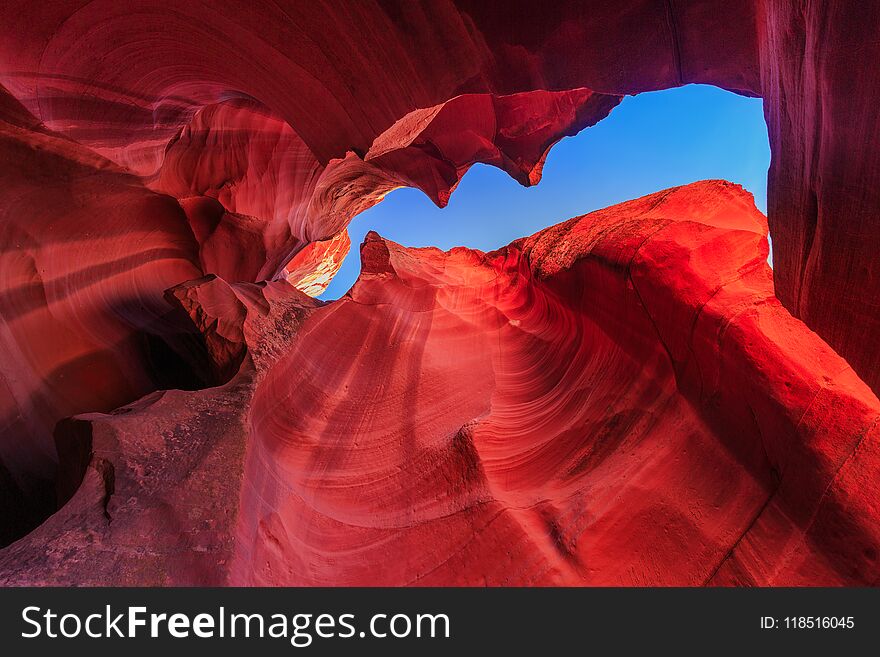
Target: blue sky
column 649, row 142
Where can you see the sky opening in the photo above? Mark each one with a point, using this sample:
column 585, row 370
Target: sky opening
column 649, row 142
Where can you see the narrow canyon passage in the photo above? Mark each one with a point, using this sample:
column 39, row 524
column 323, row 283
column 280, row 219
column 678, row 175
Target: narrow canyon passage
column 631, row 396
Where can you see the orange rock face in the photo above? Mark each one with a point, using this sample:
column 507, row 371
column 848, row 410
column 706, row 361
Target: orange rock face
column 629, row 397
column 619, row 399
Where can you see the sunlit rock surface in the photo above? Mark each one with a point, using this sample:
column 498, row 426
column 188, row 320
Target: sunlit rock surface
column 619, row 399
column 627, row 404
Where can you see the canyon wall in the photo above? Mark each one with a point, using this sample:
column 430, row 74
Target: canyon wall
column 174, row 177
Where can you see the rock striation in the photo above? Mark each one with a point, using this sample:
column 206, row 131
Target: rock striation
column 617, row 400
column 630, row 397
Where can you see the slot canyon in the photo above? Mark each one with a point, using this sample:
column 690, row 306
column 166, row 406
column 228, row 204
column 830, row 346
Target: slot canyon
column 630, row 397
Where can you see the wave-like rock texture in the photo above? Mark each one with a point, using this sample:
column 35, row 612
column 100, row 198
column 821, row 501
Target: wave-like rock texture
column 177, row 178
column 91, row 247
column 238, row 194
column 618, row 399
column 87, row 254
column 125, row 80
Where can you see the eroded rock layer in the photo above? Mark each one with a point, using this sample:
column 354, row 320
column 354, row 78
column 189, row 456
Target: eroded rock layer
column 238, row 195
column 126, row 80
column 619, row 399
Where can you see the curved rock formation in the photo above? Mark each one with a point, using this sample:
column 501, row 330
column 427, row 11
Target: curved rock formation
column 87, row 254
column 618, row 399
column 241, row 198
column 125, row 80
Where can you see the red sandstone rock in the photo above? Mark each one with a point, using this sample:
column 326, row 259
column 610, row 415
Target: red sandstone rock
column 87, row 252
column 111, row 77
column 619, row 399
column 230, row 161
column 145, row 146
